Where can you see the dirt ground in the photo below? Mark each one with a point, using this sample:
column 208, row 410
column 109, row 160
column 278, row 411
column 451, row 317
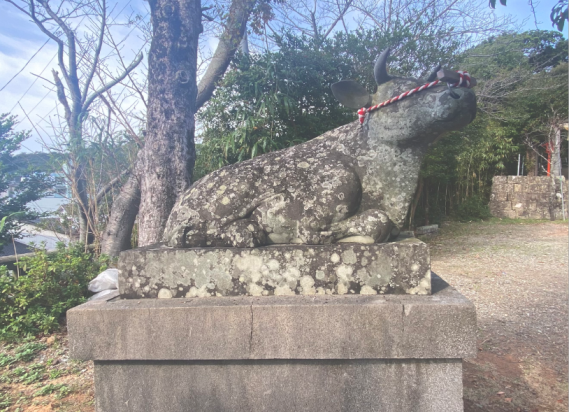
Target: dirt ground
column 517, row 276
column 515, row 273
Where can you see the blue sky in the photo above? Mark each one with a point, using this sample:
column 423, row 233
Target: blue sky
column 20, row 39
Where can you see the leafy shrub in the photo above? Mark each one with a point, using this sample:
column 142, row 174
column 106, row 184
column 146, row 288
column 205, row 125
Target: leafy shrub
column 473, row 208
column 48, row 285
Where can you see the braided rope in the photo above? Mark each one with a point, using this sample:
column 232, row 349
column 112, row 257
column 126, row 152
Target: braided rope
column 464, row 81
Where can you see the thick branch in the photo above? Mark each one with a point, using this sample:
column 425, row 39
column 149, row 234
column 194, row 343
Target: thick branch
column 125, row 123
column 340, row 17
column 60, row 45
column 61, row 95
column 96, row 54
column 101, row 193
column 71, row 78
column 226, row 48
column 112, row 83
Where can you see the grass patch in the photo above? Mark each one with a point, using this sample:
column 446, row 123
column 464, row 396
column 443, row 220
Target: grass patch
column 5, row 400
column 508, row 221
column 29, row 375
column 61, row 390
column 24, row 353
column 28, row 351
column 55, row 373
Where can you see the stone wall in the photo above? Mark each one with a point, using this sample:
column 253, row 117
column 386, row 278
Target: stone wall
column 527, row 197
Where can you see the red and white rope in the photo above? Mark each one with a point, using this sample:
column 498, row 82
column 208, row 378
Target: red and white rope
column 463, row 82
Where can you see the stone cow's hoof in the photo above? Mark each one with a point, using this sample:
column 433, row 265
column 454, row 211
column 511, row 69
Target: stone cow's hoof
column 241, row 233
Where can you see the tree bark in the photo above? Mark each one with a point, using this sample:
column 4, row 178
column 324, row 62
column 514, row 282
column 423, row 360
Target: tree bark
column 118, row 231
column 555, row 145
column 168, row 156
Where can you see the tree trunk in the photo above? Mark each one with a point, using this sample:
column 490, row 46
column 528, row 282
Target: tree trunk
column 531, row 163
column 169, row 153
column 555, row 145
column 118, row 232
column 79, row 182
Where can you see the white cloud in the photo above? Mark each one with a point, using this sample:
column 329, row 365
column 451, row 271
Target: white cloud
column 19, row 40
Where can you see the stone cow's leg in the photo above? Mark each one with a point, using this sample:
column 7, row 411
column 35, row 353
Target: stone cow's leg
column 185, row 228
column 240, row 233
column 301, row 213
column 366, row 227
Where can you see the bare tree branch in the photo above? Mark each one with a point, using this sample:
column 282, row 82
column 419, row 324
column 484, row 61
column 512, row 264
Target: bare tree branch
column 113, row 82
column 61, row 95
column 103, row 191
column 96, row 53
column 228, row 43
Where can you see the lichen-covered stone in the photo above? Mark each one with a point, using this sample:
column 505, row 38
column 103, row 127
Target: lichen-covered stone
column 345, row 268
column 354, row 182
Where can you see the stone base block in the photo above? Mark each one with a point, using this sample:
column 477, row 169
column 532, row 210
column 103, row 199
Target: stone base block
column 359, row 385
column 351, row 353
column 401, row 267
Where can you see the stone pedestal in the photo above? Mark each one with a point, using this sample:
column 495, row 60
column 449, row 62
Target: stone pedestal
column 401, row 267
column 389, row 353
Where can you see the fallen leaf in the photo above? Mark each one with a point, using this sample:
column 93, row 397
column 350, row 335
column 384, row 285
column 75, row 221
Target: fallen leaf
column 500, row 393
column 508, row 399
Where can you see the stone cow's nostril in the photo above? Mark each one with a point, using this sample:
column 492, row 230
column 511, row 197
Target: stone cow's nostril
column 452, row 93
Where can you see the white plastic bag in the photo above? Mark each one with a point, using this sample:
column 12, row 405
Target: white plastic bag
column 107, row 280
column 105, row 295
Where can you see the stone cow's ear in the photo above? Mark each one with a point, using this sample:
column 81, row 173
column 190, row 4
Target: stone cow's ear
column 351, row 94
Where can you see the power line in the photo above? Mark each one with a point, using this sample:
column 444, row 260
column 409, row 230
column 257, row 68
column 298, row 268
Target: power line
column 42, row 99
column 22, row 69
column 31, row 85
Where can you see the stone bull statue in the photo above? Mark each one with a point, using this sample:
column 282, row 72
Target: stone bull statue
column 351, row 184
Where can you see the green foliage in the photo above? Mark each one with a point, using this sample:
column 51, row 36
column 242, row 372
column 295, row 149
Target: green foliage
column 55, row 373
column 28, row 351
column 533, row 51
column 23, row 353
column 559, row 14
column 24, row 181
column 50, row 284
column 275, row 100
column 474, row 207
column 522, row 91
column 5, row 400
column 61, row 389
column 29, row 375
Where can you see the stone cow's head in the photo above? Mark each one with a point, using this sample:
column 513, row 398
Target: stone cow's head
column 419, row 118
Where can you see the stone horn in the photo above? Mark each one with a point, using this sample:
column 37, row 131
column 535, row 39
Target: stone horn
column 380, row 68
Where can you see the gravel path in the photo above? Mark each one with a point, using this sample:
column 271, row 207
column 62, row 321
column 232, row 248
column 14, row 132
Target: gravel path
column 517, row 276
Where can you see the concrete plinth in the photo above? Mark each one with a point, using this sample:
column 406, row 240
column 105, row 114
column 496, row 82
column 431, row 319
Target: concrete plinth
column 278, row 353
